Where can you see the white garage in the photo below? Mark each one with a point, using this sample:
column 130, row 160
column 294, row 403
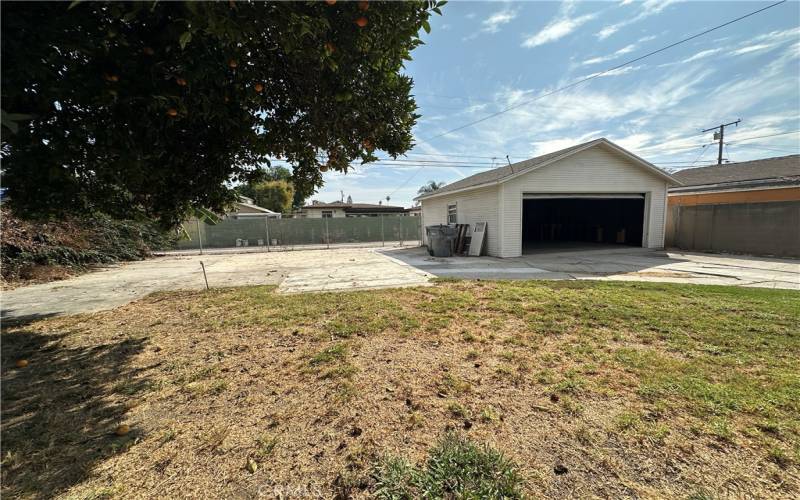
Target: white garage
column 592, row 193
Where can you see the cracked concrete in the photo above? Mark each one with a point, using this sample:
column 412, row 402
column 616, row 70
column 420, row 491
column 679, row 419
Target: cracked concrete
column 364, row 268
column 616, row 263
column 300, row 271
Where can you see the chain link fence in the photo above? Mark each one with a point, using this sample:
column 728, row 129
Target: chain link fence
column 253, row 233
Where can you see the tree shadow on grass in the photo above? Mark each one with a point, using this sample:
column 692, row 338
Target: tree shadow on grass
column 60, row 412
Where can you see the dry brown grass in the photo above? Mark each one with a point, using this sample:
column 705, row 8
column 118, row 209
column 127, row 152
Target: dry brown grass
column 636, row 389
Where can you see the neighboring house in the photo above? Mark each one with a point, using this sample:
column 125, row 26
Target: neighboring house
column 748, row 207
column 592, row 192
column 338, row 209
column 245, row 208
column 414, row 211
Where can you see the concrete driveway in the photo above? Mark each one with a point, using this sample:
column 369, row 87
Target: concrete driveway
column 615, row 263
column 362, row 268
column 300, row 271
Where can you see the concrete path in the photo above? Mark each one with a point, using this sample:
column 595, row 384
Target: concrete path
column 363, row 268
column 615, row 263
column 301, row 271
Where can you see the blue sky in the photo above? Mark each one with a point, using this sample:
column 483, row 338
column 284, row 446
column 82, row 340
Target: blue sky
column 482, row 57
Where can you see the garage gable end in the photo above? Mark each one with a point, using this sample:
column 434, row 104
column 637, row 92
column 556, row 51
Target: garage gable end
column 598, row 155
column 507, row 173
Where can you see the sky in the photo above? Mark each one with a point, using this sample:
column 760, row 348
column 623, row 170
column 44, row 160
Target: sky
column 482, row 57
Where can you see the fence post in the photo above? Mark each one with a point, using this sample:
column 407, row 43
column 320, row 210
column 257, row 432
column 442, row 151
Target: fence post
column 383, row 240
column 401, row 228
column 199, row 236
column 327, row 234
column 266, row 223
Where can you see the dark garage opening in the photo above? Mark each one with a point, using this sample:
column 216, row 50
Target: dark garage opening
column 558, row 221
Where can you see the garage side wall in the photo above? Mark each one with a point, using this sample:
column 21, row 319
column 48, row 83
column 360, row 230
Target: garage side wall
column 477, row 205
column 595, row 170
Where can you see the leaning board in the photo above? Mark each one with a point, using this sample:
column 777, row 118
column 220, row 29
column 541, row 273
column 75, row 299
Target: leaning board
column 478, row 235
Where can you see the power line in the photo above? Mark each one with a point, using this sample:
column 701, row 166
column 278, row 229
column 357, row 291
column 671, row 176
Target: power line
column 432, row 161
column 762, row 136
column 597, row 75
column 705, row 146
column 756, row 146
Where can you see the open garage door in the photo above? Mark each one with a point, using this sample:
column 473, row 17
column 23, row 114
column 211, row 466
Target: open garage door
column 560, row 219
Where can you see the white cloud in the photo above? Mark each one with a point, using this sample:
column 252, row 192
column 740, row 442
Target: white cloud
column 559, row 27
column 701, row 55
column 752, row 48
column 493, row 23
column 614, row 72
column 559, row 116
column 552, row 145
column 596, row 60
column 649, row 8
column 608, row 31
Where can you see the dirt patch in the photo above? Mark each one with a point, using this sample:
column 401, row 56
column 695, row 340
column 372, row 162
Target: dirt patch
column 244, row 391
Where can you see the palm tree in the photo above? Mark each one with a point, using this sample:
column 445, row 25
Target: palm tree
column 430, row 187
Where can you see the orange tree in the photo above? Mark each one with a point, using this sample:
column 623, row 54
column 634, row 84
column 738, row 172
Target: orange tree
column 151, row 109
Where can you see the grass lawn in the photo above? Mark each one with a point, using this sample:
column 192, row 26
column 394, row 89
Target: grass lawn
column 577, row 388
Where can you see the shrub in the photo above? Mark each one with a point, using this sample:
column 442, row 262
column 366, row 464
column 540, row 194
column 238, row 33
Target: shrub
column 74, row 244
column 456, row 468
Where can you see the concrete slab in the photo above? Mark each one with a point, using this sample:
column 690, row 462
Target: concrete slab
column 615, row 263
column 301, row 271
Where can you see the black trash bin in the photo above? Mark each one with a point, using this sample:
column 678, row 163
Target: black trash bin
column 440, row 239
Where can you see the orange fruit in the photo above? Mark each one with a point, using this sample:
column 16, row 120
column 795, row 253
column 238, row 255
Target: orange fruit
column 363, row 5
column 323, row 168
column 331, row 48
column 368, row 145
column 361, row 21
column 233, row 63
column 122, row 430
column 258, row 87
column 148, row 51
column 172, row 112
column 330, row 2
column 22, row 363
column 181, row 82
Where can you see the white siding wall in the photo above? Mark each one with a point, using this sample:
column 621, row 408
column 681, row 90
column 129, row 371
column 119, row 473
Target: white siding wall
column 594, row 170
column 316, row 213
column 478, row 205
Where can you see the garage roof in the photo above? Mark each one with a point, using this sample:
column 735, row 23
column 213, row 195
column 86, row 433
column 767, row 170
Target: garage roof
column 502, row 174
column 778, row 168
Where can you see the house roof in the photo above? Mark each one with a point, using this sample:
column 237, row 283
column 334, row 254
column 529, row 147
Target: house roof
column 768, row 170
column 254, row 207
column 507, row 172
column 355, row 206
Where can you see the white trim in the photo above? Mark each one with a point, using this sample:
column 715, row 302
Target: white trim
column 732, row 190
column 599, row 196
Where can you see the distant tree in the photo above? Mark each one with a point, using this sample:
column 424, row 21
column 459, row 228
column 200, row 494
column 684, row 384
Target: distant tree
column 277, row 173
column 272, row 195
column 149, row 109
column 430, row 187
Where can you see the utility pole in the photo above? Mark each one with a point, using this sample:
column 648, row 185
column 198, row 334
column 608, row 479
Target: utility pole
column 721, row 135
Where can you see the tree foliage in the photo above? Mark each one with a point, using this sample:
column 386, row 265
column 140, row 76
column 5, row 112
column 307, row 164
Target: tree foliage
column 430, row 187
column 275, row 195
column 150, row 108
